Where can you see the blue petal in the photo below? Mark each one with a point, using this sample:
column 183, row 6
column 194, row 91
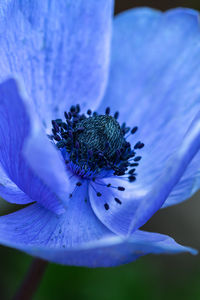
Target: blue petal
column 78, row 238
column 156, row 70
column 137, row 204
column 48, row 183
column 59, row 49
column 10, row 192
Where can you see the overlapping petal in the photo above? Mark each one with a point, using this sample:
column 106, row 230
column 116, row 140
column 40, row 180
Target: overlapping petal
column 59, row 49
column 137, row 206
column 49, row 185
column 10, row 191
column 154, row 83
column 78, row 237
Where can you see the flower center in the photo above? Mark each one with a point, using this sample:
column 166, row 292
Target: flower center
column 101, row 135
column 95, row 145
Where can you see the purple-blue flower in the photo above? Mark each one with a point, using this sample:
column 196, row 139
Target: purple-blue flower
column 99, row 127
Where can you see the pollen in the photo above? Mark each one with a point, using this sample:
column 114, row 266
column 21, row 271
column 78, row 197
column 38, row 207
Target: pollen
column 94, row 145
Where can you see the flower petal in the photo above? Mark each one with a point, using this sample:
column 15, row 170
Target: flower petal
column 59, row 49
column 48, row 183
column 10, row 192
column 138, row 205
column 78, row 238
column 156, row 71
column 171, row 175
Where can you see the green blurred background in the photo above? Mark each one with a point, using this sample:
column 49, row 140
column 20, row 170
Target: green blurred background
column 152, row 277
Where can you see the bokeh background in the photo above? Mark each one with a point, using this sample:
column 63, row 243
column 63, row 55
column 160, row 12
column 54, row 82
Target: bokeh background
column 152, row 277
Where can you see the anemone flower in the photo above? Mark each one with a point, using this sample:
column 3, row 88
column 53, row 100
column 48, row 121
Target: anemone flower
column 71, row 76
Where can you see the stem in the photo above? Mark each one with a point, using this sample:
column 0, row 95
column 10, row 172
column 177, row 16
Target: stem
column 32, row 280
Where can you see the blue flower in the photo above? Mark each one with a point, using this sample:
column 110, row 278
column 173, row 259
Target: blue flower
column 80, row 171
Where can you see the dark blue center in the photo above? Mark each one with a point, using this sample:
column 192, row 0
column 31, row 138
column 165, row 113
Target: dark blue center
column 95, row 143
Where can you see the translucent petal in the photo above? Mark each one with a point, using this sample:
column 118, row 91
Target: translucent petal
column 46, row 182
column 156, row 70
column 59, row 50
column 78, row 238
column 10, row 191
column 137, row 204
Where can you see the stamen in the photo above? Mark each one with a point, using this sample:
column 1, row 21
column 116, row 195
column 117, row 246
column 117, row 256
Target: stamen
column 132, row 178
column 134, row 165
column 78, row 109
column 121, row 188
column 95, row 146
column 138, row 145
column 117, row 200
column 134, row 129
column 89, row 112
column 116, row 115
column 137, row 158
column 72, row 109
column 107, row 111
column 106, row 206
column 131, row 171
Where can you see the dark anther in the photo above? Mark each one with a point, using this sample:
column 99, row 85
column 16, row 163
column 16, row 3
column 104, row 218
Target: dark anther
column 69, row 123
column 70, row 195
column 66, row 115
column 106, row 206
column 82, row 117
column 99, row 194
column 56, row 137
column 78, row 183
column 123, row 125
column 89, row 112
column 121, row 188
column 64, row 125
column 127, row 145
column 109, row 185
column 107, row 111
column 131, row 171
column 58, row 121
column 118, row 201
column 55, row 126
column 132, row 154
column 134, row 165
column 134, row 129
column 138, row 145
column 69, row 115
column 116, row 115
column 137, row 158
column 78, row 108
column 126, row 130
column 132, row 178
column 72, row 109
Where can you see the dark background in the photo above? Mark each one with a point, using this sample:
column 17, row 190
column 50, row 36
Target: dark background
column 152, row 277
